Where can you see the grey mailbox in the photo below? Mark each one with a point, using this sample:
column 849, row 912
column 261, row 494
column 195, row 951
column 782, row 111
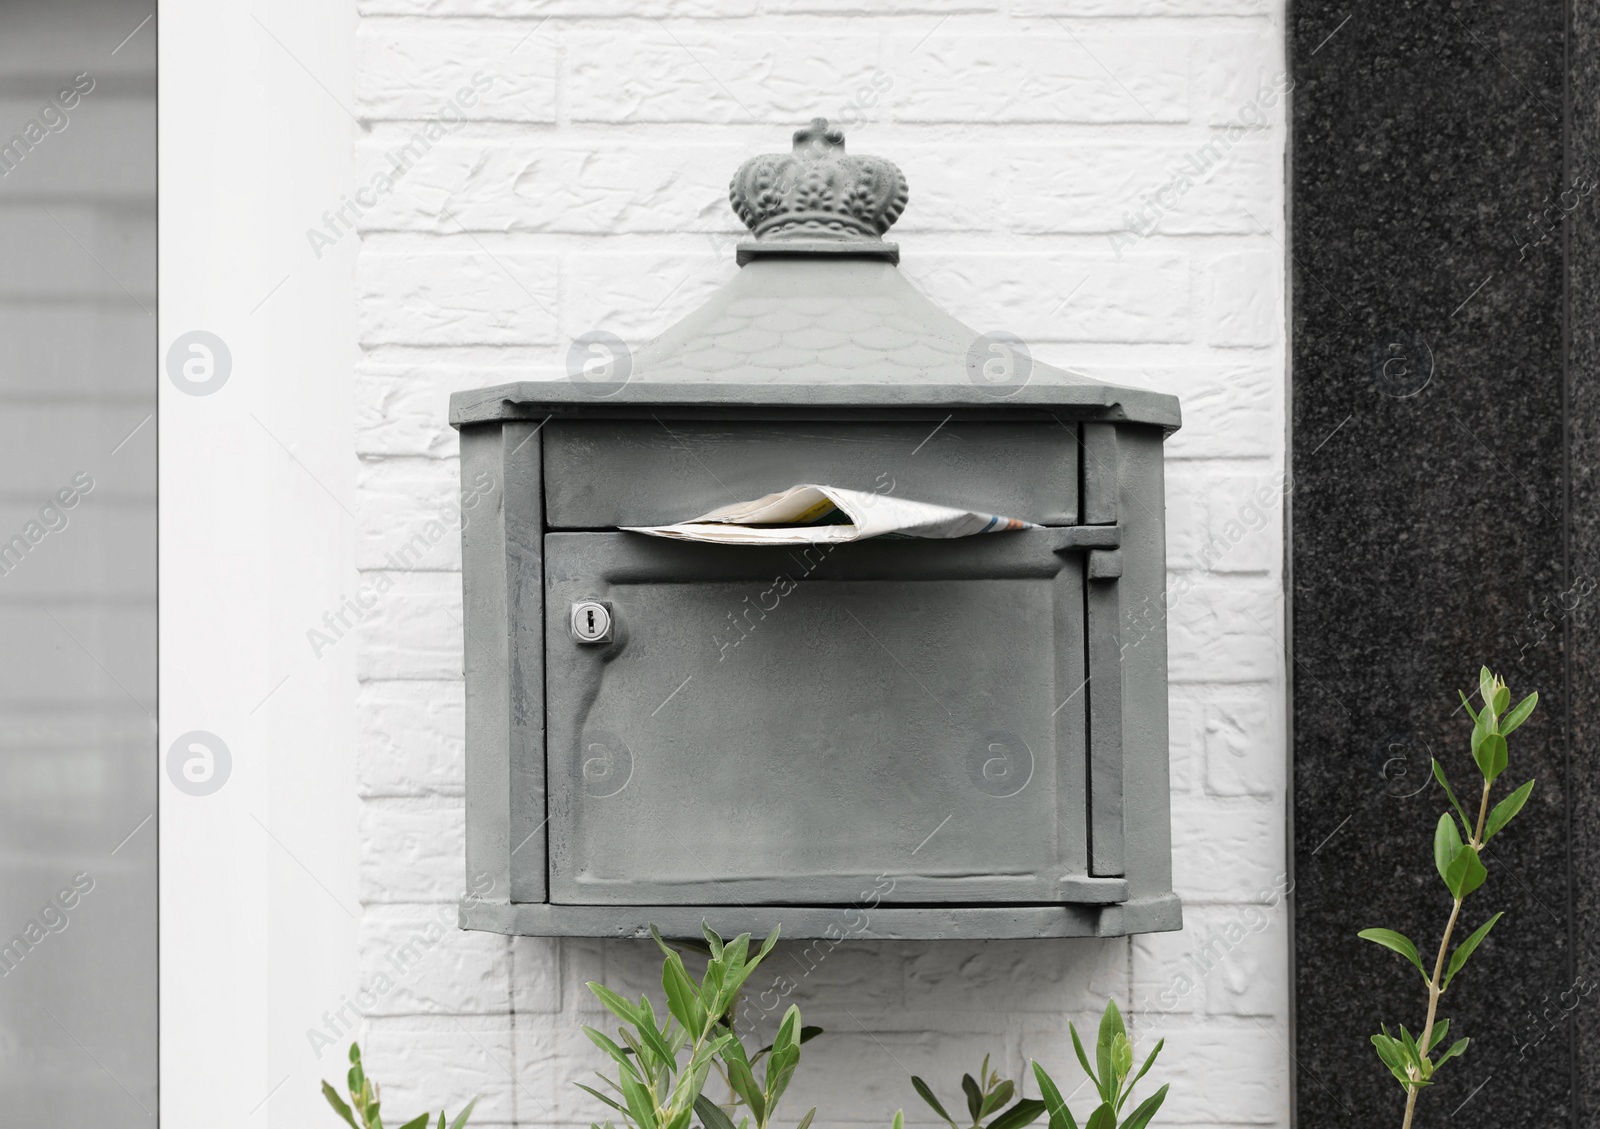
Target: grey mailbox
column 890, row 738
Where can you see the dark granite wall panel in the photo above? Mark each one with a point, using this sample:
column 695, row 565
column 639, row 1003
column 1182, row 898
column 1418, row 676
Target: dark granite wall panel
column 1583, row 637
column 1430, row 533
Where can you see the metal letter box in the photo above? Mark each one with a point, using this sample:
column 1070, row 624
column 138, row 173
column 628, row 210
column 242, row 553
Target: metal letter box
column 890, row 737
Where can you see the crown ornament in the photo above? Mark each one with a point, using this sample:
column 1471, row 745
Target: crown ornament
column 818, row 192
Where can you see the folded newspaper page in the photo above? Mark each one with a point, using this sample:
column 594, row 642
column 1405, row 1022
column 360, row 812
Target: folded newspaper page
column 810, row 515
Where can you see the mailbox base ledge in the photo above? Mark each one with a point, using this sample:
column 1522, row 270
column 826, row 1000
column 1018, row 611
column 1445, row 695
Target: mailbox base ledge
column 884, row 923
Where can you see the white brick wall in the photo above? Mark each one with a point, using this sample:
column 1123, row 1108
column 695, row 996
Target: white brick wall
column 586, row 188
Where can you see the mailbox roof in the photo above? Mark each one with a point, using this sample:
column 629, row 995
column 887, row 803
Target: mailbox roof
column 818, row 328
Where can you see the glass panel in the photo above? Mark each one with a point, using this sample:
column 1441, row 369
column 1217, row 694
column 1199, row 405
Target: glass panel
column 77, row 564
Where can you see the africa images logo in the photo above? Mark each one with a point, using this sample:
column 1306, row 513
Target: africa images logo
column 54, row 119
column 52, row 518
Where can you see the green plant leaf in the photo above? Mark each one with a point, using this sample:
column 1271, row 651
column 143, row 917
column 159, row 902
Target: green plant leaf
column 1148, row 1063
column 743, row 1081
column 1467, row 947
column 715, row 987
column 639, row 1102
column 766, row 946
column 590, row 1089
column 785, row 1056
column 1025, row 1112
column 812, row 1112
column 1466, row 872
column 339, row 1105
column 1439, row 1031
column 714, row 943
column 788, row 1036
column 1111, row 1026
column 683, row 998
column 1407, row 1056
column 1121, row 1059
column 655, row 935
column 736, row 952
column 1398, row 942
column 1502, row 699
column 1393, row 1055
column 1102, row 1118
column 1412, row 1055
column 778, row 1080
column 653, row 1036
column 974, row 1097
column 926, row 1094
column 1060, row 1116
column 418, row 1122
column 1140, row 1117
column 1438, row 774
column 1506, row 810
column 711, row 1115
column 461, row 1118
column 1473, row 714
column 691, row 1083
column 1410, row 1045
column 997, row 1098
column 734, row 1049
column 614, row 1003
column 1457, row 1049
column 1491, row 756
column 600, row 1039
column 1083, row 1059
column 899, row 1119
column 726, row 974
column 648, row 1065
column 1446, row 843
column 1486, row 689
column 1519, row 715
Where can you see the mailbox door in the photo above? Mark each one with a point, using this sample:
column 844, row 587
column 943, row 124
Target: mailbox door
column 774, row 725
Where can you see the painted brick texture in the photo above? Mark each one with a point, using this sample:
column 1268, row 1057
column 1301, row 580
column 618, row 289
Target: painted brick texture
column 1103, row 177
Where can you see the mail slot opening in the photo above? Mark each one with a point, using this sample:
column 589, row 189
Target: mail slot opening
column 816, row 514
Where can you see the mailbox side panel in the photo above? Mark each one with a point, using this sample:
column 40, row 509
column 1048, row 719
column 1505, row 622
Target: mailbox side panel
column 1147, row 795
column 1103, row 617
column 502, row 578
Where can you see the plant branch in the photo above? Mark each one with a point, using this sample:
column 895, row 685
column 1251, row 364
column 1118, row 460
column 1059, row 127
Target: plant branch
column 1458, row 845
column 1434, row 986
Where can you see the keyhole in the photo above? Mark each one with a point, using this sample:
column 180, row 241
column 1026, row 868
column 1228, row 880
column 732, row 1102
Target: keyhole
column 590, row 622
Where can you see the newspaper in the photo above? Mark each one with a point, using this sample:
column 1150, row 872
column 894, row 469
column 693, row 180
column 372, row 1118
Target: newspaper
column 812, row 515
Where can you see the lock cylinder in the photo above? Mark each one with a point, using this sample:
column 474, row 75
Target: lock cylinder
column 591, row 622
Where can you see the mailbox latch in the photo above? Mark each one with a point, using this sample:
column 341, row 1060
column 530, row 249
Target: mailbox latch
column 591, row 621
